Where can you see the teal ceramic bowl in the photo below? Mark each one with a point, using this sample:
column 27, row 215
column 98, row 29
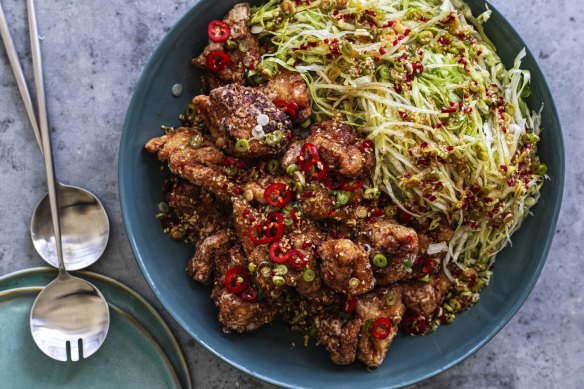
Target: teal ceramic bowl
column 269, row 354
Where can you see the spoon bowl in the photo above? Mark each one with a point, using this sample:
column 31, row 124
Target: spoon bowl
column 84, row 228
column 69, row 319
column 85, row 222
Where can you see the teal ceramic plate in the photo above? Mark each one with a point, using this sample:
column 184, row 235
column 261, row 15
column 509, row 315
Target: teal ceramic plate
column 140, row 351
column 268, row 353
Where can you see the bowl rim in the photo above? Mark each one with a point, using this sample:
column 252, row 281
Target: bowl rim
column 122, row 190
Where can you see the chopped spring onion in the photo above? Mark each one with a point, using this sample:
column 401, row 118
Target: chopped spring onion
column 242, row 145
column 273, row 166
column 380, row 260
column 274, row 138
column 291, row 169
column 278, row 280
column 343, row 198
column 308, row 275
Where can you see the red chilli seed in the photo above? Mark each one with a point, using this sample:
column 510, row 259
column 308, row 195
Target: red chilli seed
column 368, row 144
column 414, row 325
column 229, row 161
column 350, row 304
column 249, row 295
column 377, row 212
column 297, row 260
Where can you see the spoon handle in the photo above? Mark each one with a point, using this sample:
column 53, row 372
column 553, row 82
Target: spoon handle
column 44, row 129
column 19, row 75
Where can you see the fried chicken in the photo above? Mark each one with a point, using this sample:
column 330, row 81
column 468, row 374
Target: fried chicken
column 237, row 19
column 201, row 165
column 235, row 314
column 232, row 112
column 380, row 303
column 398, row 243
column 341, row 149
column 345, row 267
column 424, row 297
column 289, row 86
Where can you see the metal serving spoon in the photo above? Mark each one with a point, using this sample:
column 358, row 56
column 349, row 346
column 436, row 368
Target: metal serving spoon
column 85, row 225
column 70, row 315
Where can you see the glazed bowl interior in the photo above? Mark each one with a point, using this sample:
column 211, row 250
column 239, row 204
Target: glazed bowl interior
column 273, row 353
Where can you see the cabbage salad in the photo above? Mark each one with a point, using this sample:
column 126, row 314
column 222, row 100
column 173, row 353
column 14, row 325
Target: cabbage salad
column 455, row 140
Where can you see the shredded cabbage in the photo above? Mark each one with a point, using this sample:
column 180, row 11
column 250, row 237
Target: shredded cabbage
column 454, row 138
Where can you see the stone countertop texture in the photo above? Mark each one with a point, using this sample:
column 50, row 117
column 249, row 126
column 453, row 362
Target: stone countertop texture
column 93, row 56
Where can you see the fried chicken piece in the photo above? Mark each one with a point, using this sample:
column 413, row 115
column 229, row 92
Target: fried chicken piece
column 345, row 267
column 305, row 239
column 371, row 307
column 209, row 253
column 317, row 202
column 195, row 208
column 243, row 218
column 340, row 337
column 396, row 242
column 262, row 276
column 424, row 298
column 237, row 19
column 231, row 113
column 289, row 86
column 201, row 165
column 341, row 149
column 236, row 315
column 302, row 313
column 292, row 153
column 302, row 240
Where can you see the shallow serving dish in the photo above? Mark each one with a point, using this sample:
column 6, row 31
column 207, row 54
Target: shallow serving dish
column 273, row 353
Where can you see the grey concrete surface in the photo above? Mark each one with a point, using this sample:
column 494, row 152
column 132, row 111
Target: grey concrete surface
column 94, row 53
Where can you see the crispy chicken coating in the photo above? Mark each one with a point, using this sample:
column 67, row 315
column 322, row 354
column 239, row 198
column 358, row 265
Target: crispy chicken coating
column 235, row 314
column 304, row 240
column 370, row 307
column 345, row 267
column 208, row 254
column 317, row 202
column 237, row 19
column 232, row 112
column 200, row 165
column 340, row 337
column 240, row 316
column 398, row 243
column 243, row 217
column 195, row 208
column 424, row 297
column 341, row 149
column 289, row 86
column 291, row 154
